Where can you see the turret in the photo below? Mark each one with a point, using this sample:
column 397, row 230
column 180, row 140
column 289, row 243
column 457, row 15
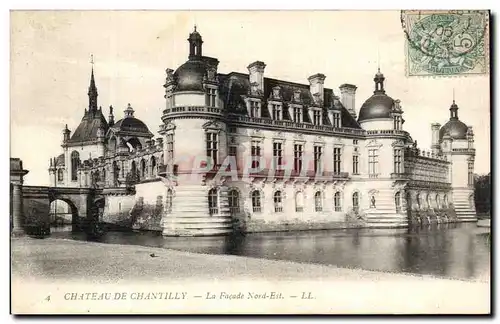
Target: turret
column 66, row 134
column 435, row 138
column 111, row 117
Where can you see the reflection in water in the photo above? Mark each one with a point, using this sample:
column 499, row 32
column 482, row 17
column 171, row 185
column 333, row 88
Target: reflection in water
column 451, row 250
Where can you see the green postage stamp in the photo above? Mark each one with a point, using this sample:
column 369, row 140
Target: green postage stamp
column 446, row 43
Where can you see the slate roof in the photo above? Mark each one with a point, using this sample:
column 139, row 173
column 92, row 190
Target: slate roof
column 236, row 86
column 87, row 130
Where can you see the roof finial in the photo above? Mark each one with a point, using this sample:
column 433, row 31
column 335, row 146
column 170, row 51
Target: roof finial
column 378, row 60
column 92, row 59
column 453, row 95
column 195, row 27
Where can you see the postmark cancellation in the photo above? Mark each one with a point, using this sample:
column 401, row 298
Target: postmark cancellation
column 446, row 43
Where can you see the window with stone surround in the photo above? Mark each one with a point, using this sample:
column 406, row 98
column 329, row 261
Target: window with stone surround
column 355, row 201
column 278, row 153
column 152, row 165
column 277, row 111
column 299, row 202
column 336, row 119
column 470, row 171
column 255, row 153
column 211, row 97
column 297, row 114
column 60, row 175
column 397, row 122
column 213, row 202
column 254, row 108
column 278, row 202
column 398, row 161
column 355, row 164
column 212, row 141
column 297, row 157
column 318, row 157
column 234, row 201
column 337, row 159
column 170, row 148
column 373, row 162
column 317, row 117
column 336, row 202
column 75, row 163
column 318, row 201
column 256, row 205
column 233, row 152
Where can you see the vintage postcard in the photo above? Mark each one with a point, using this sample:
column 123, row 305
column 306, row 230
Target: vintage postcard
column 250, row 162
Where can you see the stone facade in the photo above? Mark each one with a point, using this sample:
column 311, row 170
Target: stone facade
column 246, row 152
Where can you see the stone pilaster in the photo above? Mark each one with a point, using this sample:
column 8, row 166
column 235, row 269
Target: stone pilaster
column 17, row 210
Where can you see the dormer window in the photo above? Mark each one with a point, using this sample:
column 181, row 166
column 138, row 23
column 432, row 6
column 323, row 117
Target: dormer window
column 336, row 119
column 211, row 97
column 277, row 111
column 297, row 114
column 317, row 117
column 254, row 108
column 397, row 122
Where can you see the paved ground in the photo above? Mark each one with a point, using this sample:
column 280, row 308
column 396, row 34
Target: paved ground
column 57, row 260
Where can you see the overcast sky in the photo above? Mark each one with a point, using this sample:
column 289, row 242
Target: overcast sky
column 50, row 68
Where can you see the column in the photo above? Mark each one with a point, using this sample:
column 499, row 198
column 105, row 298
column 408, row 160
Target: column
column 17, row 209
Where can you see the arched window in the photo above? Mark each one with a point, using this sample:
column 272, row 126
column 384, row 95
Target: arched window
column 419, row 203
column 60, row 175
column 133, row 169
column 336, row 202
column 213, row 202
column 168, row 201
column 256, row 201
column 299, row 201
column 471, row 201
column 355, row 201
column 75, row 163
column 143, row 169
column 318, row 202
column 116, row 171
column 234, row 201
column 397, row 201
column 278, row 202
column 428, row 200
column 438, row 201
column 153, row 166
column 104, row 175
column 445, row 201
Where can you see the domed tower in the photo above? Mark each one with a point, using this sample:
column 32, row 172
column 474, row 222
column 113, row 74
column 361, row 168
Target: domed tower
column 381, row 117
column 456, row 141
column 195, row 146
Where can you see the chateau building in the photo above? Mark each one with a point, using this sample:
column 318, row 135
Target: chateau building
column 254, row 153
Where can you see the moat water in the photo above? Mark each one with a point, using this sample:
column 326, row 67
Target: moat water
column 459, row 251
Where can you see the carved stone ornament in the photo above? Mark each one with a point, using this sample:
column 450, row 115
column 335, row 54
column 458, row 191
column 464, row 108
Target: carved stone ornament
column 170, row 75
column 374, row 143
column 213, row 125
column 211, row 73
column 296, row 96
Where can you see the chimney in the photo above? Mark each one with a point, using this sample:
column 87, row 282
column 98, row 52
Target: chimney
column 256, row 75
column 316, row 83
column 435, row 138
column 348, row 96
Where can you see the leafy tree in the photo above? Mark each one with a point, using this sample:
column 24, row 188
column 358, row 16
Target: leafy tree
column 482, row 193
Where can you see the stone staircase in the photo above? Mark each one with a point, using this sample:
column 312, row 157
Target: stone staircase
column 190, row 215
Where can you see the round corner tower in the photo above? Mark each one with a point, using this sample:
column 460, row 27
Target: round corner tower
column 194, row 133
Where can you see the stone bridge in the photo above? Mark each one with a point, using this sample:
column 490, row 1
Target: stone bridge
column 33, row 205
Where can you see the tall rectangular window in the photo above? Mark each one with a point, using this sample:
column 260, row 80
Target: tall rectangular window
column 317, row 117
column 372, row 162
column 297, row 157
column 355, row 164
column 397, row 122
column 398, row 161
column 297, row 114
column 336, row 119
column 212, row 147
column 255, row 108
column 233, row 152
column 337, row 159
column 318, row 156
column 277, row 113
column 170, row 148
column 255, row 152
column 211, row 97
column 470, row 167
column 278, row 153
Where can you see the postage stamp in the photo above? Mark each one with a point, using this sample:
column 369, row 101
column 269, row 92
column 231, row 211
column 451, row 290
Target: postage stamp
column 446, row 43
